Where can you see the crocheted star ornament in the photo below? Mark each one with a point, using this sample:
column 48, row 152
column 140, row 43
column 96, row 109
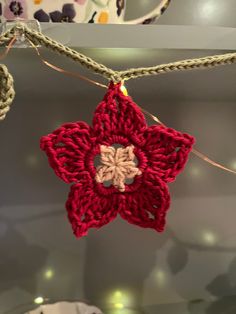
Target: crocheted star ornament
column 136, row 163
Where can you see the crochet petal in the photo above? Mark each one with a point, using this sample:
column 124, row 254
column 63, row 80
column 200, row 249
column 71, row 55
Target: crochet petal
column 88, row 209
column 66, row 149
column 147, row 206
column 117, row 116
column 167, row 151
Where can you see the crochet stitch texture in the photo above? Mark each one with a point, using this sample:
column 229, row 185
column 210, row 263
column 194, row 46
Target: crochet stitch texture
column 118, row 166
column 161, row 154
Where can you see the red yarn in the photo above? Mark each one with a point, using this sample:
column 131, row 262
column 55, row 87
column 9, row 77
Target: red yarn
column 161, row 153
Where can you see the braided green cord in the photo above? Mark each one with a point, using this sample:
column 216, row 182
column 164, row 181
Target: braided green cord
column 6, row 37
column 116, row 76
column 188, row 64
column 7, row 92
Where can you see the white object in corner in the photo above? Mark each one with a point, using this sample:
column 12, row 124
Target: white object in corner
column 66, row 308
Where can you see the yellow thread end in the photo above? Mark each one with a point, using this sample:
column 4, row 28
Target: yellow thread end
column 124, row 90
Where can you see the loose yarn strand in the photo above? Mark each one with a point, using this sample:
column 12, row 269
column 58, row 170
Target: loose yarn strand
column 211, row 162
column 7, row 91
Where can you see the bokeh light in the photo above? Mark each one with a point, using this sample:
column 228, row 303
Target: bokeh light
column 119, row 300
column 209, row 237
column 160, row 277
column 49, row 273
column 39, row 300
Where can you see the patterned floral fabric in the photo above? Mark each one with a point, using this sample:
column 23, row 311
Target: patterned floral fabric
column 120, row 6
column 68, row 12
column 14, row 9
column 74, row 11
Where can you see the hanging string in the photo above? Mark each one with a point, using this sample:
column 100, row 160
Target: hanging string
column 7, row 91
column 150, row 115
column 212, row 162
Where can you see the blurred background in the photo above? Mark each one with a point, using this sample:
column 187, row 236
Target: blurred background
column 188, row 12
column 188, row 269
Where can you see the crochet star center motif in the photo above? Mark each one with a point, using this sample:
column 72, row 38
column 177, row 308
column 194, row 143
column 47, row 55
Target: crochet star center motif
column 118, row 165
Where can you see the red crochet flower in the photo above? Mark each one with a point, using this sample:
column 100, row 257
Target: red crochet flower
column 160, row 154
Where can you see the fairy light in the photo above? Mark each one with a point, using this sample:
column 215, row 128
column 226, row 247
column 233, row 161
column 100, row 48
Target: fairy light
column 118, row 294
column 39, row 300
column 233, row 165
column 209, row 238
column 208, row 9
column 160, row 277
column 49, row 273
column 32, row 160
column 119, row 306
column 119, row 300
column 195, row 171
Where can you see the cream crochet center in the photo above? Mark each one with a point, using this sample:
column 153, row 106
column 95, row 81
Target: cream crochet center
column 118, row 165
